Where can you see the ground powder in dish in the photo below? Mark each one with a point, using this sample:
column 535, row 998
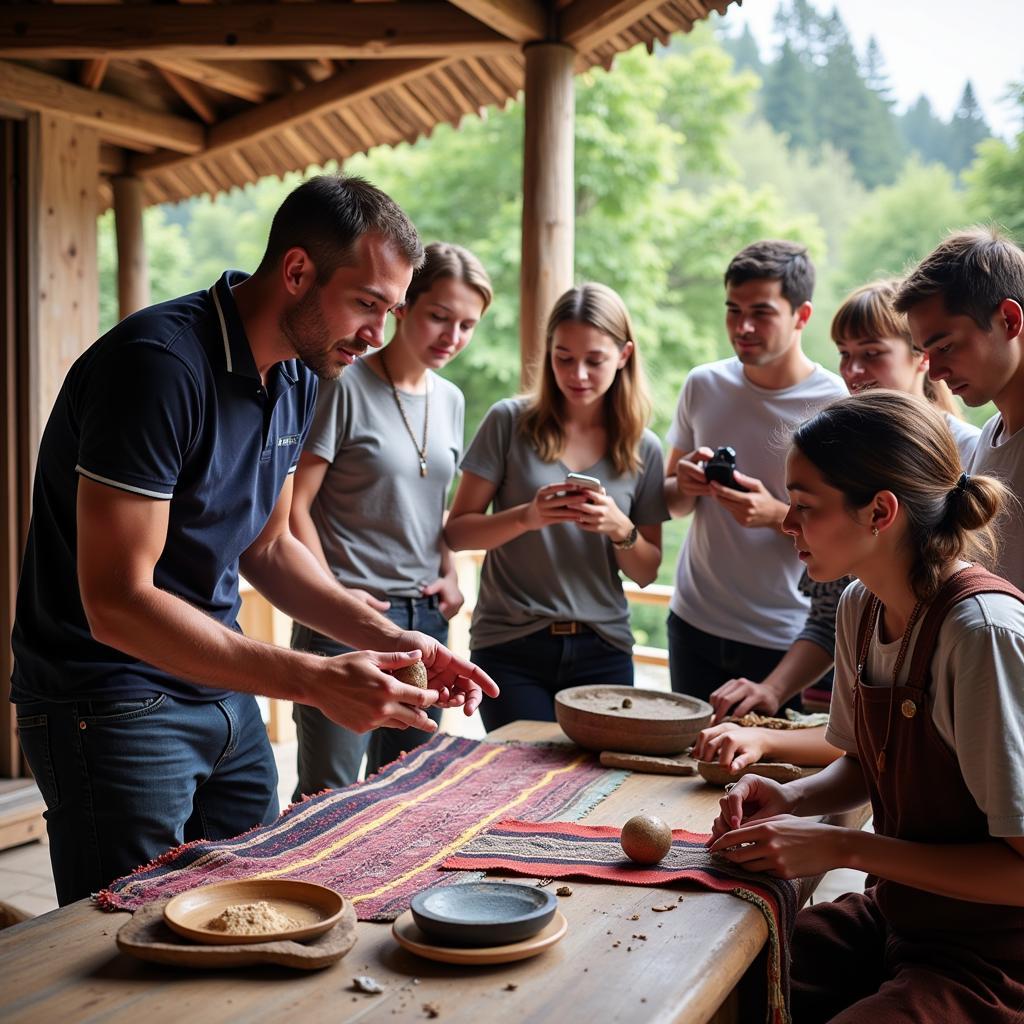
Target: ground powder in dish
column 251, row 919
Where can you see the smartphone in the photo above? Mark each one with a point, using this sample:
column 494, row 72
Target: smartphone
column 582, row 481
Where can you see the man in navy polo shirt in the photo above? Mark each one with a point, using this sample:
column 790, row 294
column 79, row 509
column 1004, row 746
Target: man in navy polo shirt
column 164, row 470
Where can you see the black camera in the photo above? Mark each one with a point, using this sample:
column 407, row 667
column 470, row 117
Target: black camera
column 721, row 468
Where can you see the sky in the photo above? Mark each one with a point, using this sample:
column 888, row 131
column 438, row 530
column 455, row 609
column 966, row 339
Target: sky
column 930, row 47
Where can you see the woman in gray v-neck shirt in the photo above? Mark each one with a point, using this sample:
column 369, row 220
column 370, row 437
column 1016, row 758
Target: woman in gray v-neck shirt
column 550, row 612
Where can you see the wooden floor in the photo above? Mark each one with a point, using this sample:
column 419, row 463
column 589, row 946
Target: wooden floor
column 26, row 881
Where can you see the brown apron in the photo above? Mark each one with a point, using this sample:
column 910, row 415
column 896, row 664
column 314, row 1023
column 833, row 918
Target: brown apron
column 936, row 954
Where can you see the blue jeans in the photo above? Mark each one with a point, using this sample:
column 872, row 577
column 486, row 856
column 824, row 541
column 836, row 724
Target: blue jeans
column 329, row 755
column 532, row 669
column 125, row 780
column 699, row 662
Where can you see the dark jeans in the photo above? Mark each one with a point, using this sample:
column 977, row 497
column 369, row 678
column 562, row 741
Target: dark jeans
column 532, row 669
column 699, row 662
column 329, row 755
column 124, row 780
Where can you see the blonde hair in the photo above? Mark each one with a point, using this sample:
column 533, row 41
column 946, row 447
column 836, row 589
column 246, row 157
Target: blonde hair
column 626, row 403
column 446, row 260
column 870, row 312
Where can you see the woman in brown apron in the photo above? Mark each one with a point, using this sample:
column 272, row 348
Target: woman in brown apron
column 928, row 707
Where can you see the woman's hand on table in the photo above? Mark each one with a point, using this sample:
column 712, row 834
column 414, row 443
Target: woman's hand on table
column 553, row 503
column 449, row 598
column 750, row 799
column 457, row 682
column 730, row 745
column 784, row 846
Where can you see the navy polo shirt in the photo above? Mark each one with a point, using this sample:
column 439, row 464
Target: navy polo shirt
column 169, row 405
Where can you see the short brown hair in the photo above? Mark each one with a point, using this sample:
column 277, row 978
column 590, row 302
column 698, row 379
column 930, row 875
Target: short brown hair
column 443, row 260
column 972, row 270
column 328, row 214
column 889, row 441
column 775, row 260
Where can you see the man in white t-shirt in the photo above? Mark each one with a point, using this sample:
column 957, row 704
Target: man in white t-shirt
column 964, row 305
column 737, row 607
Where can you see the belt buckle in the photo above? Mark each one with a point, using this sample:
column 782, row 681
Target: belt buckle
column 564, row 628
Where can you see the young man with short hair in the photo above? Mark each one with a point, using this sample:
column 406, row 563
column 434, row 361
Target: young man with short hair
column 965, row 306
column 164, row 471
column 736, row 607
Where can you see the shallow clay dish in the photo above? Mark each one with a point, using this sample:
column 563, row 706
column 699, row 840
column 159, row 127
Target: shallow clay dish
column 411, row 938
column 315, row 907
column 654, row 723
column 482, row 913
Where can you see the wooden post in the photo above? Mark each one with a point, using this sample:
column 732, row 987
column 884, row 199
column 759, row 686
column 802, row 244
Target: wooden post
column 548, row 205
column 132, row 267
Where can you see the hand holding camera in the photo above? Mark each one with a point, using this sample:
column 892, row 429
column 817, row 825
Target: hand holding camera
column 721, row 469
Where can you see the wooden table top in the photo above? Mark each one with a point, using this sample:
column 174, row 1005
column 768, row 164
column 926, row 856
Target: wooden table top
column 65, row 966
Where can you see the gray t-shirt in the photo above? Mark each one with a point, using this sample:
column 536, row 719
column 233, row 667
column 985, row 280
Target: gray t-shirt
column 378, row 519
column 733, row 582
column 1003, row 457
column 977, row 699
column 966, row 436
column 560, row 573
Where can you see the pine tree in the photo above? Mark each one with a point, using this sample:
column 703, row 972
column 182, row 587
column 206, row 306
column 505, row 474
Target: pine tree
column 788, row 98
column 744, row 51
column 876, row 75
column 966, row 130
column 924, row 132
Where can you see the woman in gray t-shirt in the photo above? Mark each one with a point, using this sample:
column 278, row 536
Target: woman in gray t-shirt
column 550, row 612
column 371, row 488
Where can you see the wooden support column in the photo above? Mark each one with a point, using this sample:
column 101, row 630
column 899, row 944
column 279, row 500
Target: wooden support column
column 548, row 205
column 132, row 265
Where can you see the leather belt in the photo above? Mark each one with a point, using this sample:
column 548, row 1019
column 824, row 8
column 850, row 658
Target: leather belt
column 568, row 628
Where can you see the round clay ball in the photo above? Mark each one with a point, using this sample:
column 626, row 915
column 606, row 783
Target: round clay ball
column 414, row 674
column 645, row 839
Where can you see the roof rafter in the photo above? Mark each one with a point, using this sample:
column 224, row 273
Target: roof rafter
column 349, row 86
column 586, row 24
column 251, row 80
column 521, row 20
column 239, row 31
column 111, row 115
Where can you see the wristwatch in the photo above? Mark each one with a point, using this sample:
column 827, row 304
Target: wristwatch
column 629, row 540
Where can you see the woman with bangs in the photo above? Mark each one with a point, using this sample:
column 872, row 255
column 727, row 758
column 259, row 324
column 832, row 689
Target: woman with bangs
column 550, row 612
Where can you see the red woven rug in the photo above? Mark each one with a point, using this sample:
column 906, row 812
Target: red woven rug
column 563, row 850
column 381, row 841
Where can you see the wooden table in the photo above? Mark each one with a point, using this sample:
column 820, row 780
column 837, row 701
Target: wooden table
column 64, row 966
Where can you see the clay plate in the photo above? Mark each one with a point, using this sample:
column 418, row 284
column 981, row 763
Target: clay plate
column 411, row 938
column 657, row 723
column 315, row 907
column 482, row 913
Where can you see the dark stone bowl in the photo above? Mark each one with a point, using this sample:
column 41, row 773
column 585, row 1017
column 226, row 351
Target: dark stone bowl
column 483, row 913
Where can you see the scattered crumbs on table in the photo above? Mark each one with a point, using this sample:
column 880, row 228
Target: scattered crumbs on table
column 629, row 949
column 639, row 935
column 415, row 981
column 616, row 944
column 563, row 890
column 635, row 917
column 364, row 983
column 511, row 987
column 541, row 882
column 667, row 906
column 432, row 1009
column 680, row 899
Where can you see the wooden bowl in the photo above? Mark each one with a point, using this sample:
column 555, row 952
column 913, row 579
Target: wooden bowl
column 315, row 907
column 655, row 723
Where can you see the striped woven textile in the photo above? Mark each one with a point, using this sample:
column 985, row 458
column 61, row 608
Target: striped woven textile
column 558, row 849
column 381, row 841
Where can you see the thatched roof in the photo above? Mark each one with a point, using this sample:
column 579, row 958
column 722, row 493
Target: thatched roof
column 199, row 97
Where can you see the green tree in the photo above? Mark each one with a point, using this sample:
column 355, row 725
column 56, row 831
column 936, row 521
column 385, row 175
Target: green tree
column 787, row 98
column 967, row 129
column 995, row 181
column 925, row 133
column 901, row 223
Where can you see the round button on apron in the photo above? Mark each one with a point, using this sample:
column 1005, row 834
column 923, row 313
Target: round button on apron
column 909, row 709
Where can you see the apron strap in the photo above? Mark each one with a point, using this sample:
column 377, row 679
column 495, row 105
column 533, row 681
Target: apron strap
column 960, row 586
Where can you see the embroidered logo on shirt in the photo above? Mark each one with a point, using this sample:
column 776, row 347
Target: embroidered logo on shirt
column 288, row 439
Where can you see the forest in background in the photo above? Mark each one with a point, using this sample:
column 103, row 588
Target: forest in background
column 682, row 158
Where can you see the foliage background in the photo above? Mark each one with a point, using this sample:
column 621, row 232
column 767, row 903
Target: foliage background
column 682, row 158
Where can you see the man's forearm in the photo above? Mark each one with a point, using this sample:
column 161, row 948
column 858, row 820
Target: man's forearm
column 679, row 504
column 288, row 575
column 801, row 666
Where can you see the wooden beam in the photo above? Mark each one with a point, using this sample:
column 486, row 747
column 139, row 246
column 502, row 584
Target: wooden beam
column 521, row 20
column 132, row 265
column 548, row 206
column 251, row 80
column 46, row 94
column 112, row 159
column 190, row 93
column 586, row 24
column 360, row 82
column 239, row 31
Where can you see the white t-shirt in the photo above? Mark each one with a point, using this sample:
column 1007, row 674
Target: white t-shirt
column 966, row 436
column 731, row 581
column 1003, row 457
column 977, row 696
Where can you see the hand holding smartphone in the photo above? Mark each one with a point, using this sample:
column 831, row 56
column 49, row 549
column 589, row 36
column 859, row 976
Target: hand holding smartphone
column 580, row 481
